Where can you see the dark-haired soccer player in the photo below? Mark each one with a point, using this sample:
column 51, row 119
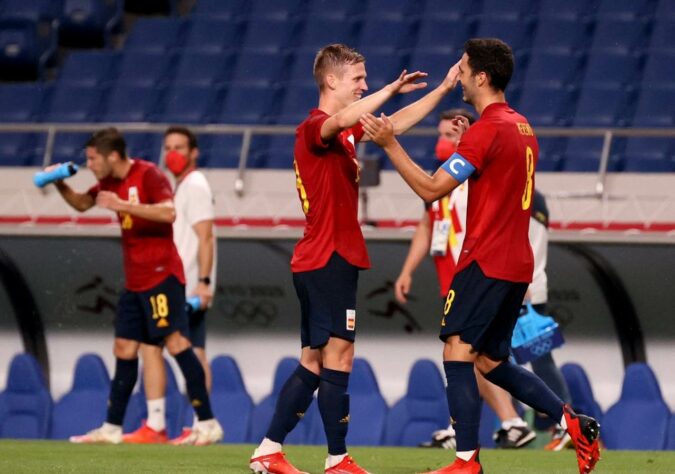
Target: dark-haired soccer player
column 328, row 258
column 498, row 156
column 152, row 307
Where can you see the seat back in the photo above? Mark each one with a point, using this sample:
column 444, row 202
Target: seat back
column 581, row 391
column 231, row 403
column 368, row 410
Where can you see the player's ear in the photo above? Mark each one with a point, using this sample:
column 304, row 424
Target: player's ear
column 331, row 81
column 194, row 153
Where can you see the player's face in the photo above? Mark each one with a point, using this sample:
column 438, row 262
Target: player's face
column 446, row 131
column 467, row 79
column 97, row 163
column 352, row 84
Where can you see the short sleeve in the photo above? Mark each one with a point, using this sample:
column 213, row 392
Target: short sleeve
column 476, row 142
column 94, row 190
column 156, row 186
column 199, row 201
column 312, row 125
column 357, row 131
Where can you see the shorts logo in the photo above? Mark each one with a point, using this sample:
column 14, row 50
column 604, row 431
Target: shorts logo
column 351, row 320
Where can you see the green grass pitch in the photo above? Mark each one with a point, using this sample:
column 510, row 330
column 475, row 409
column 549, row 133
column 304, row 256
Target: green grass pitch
column 61, row 457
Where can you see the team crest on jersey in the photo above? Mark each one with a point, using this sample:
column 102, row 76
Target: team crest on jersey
column 133, row 195
column 351, row 320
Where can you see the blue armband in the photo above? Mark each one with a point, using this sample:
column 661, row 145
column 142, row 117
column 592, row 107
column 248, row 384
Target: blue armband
column 458, row 167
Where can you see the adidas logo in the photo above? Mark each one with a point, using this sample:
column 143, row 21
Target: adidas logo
column 300, row 415
column 162, row 323
column 196, row 403
column 345, row 419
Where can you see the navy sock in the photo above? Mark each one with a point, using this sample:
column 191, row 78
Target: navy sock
column 294, row 399
column 334, row 409
column 121, row 387
column 463, row 402
column 195, row 382
column 527, row 387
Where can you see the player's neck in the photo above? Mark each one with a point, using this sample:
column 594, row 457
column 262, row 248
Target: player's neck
column 184, row 173
column 488, row 99
column 329, row 104
column 122, row 169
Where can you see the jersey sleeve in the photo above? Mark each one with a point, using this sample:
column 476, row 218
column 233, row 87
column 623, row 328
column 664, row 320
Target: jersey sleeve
column 157, row 186
column 200, row 203
column 476, row 142
column 357, row 131
column 93, row 191
column 313, row 138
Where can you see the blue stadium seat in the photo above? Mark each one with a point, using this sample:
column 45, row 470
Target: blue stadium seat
column 612, row 69
column 212, row 35
column 280, row 152
column 156, row 35
column 452, row 11
column 276, row 9
column 89, row 23
column 246, row 103
column 650, row 154
column 69, row 146
column 25, row 405
column 655, row 107
column 382, row 67
column 21, row 102
column 368, row 410
column 188, row 104
column 297, row 102
column 421, row 411
column 583, row 400
column 438, row 34
column 555, row 68
column 516, row 33
column 88, row 68
column 269, row 35
column 566, row 35
column 384, row 35
column 21, row 149
column 659, row 70
column 204, row 69
column 627, row 36
column 260, row 68
column 671, row 434
column 343, row 10
column 390, row 9
column 90, row 389
column 639, row 419
column 663, row 36
column 129, row 103
column 665, row 9
column 513, row 10
column 147, row 146
column 73, row 104
column 220, row 151
column 577, row 10
column 546, row 105
column 625, row 9
column 320, row 31
column 599, row 106
column 221, row 9
column 231, row 403
column 178, row 409
column 583, row 154
column 25, row 49
column 551, row 151
column 145, row 69
column 420, row 149
column 35, row 10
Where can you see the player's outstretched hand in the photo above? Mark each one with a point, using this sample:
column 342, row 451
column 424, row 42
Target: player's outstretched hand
column 379, row 130
column 109, row 200
column 452, row 77
column 406, row 82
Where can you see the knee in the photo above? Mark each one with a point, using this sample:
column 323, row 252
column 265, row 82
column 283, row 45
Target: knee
column 177, row 343
column 485, row 364
column 125, row 349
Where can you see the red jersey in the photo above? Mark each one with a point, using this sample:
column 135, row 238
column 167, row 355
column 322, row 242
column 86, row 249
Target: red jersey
column 502, row 147
column 327, row 179
column 150, row 255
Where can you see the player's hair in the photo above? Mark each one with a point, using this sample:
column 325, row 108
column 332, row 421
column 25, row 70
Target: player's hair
column 493, row 57
column 108, row 140
column 333, row 58
column 186, row 132
column 452, row 113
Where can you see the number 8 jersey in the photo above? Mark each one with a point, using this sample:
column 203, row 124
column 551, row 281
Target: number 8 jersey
column 502, row 147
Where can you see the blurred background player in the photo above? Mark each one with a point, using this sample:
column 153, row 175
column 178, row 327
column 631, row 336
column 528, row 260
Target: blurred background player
column 326, row 261
column 499, row 154
column 193, row 233
column 440, row 232
column 152, row 307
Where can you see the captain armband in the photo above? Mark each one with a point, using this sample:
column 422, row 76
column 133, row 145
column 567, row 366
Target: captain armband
column 458, row 167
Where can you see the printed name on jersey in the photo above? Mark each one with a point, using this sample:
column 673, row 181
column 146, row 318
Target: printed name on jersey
column 351, row 319
column 525, row 129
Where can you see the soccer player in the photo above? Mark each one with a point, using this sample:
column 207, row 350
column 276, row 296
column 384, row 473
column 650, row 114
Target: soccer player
column 440, row 232
column 152, row 307
column 498, row 155
column 327, row 260
column 194, row 238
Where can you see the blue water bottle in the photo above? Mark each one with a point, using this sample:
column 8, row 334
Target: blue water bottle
column 63, row 171
column 192, row 304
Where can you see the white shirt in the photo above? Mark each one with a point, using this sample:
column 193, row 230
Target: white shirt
column 194, row 203
column 539, row 241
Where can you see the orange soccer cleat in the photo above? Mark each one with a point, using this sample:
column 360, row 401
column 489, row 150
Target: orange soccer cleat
column 584, row 432
column 145, row 435
column 275, row 463
column 346, row 466
column 460, row 466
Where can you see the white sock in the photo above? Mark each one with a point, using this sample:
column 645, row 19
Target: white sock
column 517, row 421
column 110, row 428
column 465, row 455
column 195, row 420
column 156, row 414
column 267, row 446
column 334, row 460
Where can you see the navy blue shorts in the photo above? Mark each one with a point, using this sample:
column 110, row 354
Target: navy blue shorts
column 327, row 302
column 150, row 316
column 482, row 311
column 198, row 328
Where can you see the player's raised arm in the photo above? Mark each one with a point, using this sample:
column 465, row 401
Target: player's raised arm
column 79, row 201
column 430, row 188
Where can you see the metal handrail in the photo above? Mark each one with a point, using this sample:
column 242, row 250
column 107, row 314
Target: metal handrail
column 247, row 132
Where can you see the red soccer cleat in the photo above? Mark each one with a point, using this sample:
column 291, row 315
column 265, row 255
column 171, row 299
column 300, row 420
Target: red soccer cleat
column 274, row 463
column 460, row 466
column 584, row 432
column 145, row 435
column 346, row 466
